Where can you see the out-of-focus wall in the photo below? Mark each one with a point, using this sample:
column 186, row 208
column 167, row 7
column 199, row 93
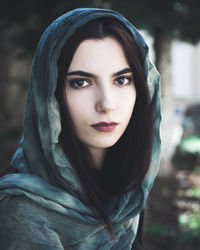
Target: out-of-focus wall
column 186, row 71
column 185, row 90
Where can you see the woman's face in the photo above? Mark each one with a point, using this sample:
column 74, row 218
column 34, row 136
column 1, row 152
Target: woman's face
column 100, row 92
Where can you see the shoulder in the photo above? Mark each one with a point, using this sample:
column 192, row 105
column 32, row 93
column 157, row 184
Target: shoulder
column 24, row 226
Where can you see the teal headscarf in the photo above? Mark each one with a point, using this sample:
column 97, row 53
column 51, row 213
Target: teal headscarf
column 42, row 206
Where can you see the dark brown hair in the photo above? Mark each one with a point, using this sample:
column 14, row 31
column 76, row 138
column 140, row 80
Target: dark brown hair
column 128, row 160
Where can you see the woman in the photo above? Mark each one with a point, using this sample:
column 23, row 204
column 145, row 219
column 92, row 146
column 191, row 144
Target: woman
column 90, row 147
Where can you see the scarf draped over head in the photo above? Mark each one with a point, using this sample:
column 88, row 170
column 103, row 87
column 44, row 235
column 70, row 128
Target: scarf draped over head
column 42, row 206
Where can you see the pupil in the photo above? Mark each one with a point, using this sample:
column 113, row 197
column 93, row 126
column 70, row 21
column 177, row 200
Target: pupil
column 121, row 80
column 80, row 82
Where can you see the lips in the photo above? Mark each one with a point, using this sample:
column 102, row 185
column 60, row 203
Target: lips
column 105, row 127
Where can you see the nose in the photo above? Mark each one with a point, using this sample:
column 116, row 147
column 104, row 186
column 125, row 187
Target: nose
column 106, row 101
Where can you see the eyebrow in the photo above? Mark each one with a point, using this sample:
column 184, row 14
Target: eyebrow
column 123, row 71
column 87, row 74
column 80, row 73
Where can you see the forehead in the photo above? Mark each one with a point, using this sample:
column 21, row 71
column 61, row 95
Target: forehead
column 97, row 54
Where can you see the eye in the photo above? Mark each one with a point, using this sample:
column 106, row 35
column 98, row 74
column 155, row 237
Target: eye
column 122, row 80
column 78, row 83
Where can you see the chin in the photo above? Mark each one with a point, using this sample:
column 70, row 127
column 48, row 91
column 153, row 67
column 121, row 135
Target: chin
column 104, row 144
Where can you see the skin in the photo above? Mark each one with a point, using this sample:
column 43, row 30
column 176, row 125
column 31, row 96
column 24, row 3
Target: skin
column 100, row 87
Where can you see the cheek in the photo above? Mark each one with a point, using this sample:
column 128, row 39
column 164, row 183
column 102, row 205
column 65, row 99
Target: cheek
column 129, row 106
column 129, row 101
column 77, row 105
column 74, row 108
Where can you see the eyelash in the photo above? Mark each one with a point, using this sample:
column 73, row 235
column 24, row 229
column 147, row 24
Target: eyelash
column 124, row 78
column 73, row 82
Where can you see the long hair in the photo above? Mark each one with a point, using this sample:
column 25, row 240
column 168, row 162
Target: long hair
column 128, row 160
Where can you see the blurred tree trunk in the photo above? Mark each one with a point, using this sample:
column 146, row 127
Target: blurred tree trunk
column 4, row 79
column 5, row 116
column 14, row 74
column 162, row 48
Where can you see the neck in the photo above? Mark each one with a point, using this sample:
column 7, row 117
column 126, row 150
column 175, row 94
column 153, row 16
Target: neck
column 98, row 155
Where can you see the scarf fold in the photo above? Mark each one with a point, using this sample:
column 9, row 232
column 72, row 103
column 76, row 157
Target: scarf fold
column 43, row 206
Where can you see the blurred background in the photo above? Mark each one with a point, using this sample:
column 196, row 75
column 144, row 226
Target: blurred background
column 172, row 31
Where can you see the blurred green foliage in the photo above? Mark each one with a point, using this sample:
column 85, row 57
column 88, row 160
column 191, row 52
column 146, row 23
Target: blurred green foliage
column 190, row 220
column 179, row 18
column 27, row 19
column 191, row 145
column 158, row 229
column 187, row 154
column 187, row 233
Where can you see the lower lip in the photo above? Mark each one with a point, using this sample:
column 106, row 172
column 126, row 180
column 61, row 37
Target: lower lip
column 103, row 128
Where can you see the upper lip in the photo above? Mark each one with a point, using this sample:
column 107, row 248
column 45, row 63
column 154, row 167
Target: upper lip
column 105, row 124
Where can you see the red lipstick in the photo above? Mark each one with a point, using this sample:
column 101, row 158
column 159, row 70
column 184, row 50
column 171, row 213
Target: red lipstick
column 104, row 126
